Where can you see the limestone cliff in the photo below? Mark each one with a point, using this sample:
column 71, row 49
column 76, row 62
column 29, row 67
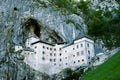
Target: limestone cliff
column 49, row 24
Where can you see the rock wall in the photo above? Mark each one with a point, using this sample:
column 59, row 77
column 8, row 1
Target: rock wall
column 54, row 27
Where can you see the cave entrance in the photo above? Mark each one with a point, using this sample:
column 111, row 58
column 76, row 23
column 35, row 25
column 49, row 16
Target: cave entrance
column 33, row 27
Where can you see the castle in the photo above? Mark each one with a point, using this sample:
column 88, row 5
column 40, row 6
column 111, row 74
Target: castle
column 52, row 58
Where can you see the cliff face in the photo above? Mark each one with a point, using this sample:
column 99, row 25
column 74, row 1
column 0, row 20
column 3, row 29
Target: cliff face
column 16, row 17
column 49, row 25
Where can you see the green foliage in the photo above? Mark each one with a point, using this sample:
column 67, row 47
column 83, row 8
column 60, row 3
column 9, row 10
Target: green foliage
column 105, row 26
column 70, row 6
column 83, row 5
column 73, row 75
column 107, row 71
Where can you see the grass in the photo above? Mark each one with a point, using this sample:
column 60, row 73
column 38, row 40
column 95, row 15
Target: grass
column 110, row 70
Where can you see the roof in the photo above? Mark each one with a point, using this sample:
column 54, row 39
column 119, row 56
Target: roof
column 28, row 49
column 61, row 42
column 83, row 36
column 42, row 42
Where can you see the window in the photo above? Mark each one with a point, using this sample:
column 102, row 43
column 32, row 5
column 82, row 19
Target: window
column 51, row 49
column 54, row 54
column 47, row 47
column 88, row 52
column 73, row 55
column 73, row 48
column 54, row 60
column 50, row 54
column 88, row 45
column 88, row 57
column 65, row 57
column 43, row 52
column 65, row 51
column 43, row 46
column 60, row 59
column 60, row 48
column 50, row 60
column 82, row 59
column 81, row 45
column 65, row 63
column 43, row 58
column 78, row 60
column 77, row 46
column 55, row 64
column 60, row 54
column 54, row 49
column 77, row 53
column 82, row 52
column 89, row 63
column 74, row 62
column 35, row 47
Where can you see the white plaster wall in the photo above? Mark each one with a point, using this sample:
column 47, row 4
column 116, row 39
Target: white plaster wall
column 68, row 55
column 17, row 48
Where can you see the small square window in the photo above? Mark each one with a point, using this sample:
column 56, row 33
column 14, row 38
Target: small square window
column 54, row 54
column 35, row 47
column 88, row 45
column 77, row 46
column 43, row 52
column 88, row 52
column 43, row 58
column 60, row 54
column 43, row 46
column 77, row 53
column 82, row 59
column 65, row 63
column 73, row 55
column 54, row 60
column 81, row 45
column 60, row 48
column 65, row 57
column 89, row 63
column 50, row 54
column 78, row 60
column 88, row 57
column 51, row 49
column 54, row 49
column 47, row 47
column 55, row 64
column 50, row 60
column 60, row 59
column 74, row 62
column 82, row 52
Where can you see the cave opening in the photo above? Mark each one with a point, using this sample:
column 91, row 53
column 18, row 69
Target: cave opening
column 33, row 27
